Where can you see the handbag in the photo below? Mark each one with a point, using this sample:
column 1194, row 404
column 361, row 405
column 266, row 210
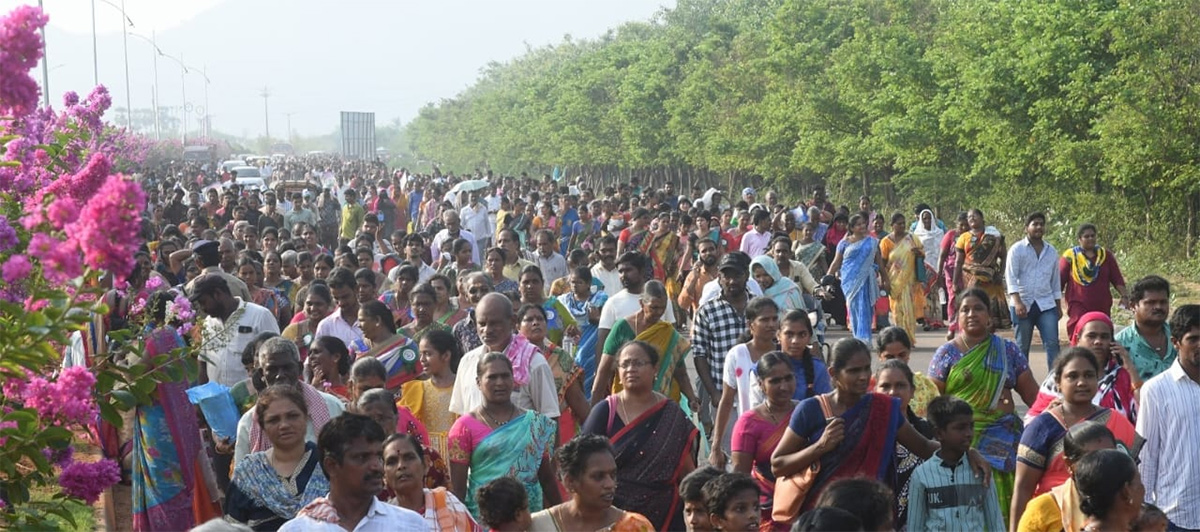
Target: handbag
column 792, row 490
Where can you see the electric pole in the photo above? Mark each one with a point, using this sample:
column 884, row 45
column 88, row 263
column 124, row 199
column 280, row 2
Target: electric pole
column 266, row 95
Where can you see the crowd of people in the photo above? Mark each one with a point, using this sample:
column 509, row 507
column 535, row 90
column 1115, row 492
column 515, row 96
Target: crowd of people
column 448, row 353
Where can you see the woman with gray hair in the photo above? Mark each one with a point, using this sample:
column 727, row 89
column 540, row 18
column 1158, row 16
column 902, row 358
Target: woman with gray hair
column 646, row 325
column 380, row 405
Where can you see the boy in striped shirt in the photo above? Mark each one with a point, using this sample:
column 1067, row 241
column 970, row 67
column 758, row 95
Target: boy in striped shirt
column 943, row 493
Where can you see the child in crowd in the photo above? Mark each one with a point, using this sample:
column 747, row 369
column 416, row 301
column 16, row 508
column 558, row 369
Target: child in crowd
column 695, row 515
column 944, row 493
column 828, row 519
column 866, row 498
column 504, row 505
column 732, row 502
column 1152, row 520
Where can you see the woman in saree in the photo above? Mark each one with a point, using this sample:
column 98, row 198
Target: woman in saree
column 424, row 300
column 560, row 322
column 809, row 251
column 902, row 255
column 664, row 250
column 250, row 272
column 896, row 379
column 531, row 323
column 929, row 233
column 1040, row 464
column 1117, row 386
column 318, row 302
column 585, row 306
column 1087, row 271
column 984, row 370
column 646, row 325
column 381, row 405
column 397, row 352
column 270, row 487
column 653, row 440
column 397, row 299
column 783, row 291
column 1059, row 509
column 759, row 429
column 851, row 432
column 856, row 262
column 494, row 260
column 839, row 229
column 946, row 269
column 637, row 236
column 327, row 363
column 978, row 263
column 444, row 311
column 405, row 465
column 166, row 446
column 499, row 439
column 589, row 472
column 429, row 399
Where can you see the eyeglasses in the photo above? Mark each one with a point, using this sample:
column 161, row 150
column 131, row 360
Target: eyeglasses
column 633, row 364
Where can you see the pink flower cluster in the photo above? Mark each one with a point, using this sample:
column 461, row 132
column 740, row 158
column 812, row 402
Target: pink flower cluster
column 20, row 50
column 108, row 226
column 15, row 269
column 8, row 235
column 87, row 480
column 68, row 400
column 59, row 258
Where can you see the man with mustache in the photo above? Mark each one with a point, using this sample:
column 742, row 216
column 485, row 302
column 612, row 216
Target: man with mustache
column 706, row 270
column 1149, row 338
column 278, row 360
column 351, row 447
column 495, row 323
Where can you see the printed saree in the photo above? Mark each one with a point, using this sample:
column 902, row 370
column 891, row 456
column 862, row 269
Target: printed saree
column 399, row 356
column 859, row 285
column 258, row 497
column 672, row 348
column 165, row 450
column 979, row 378
column 906, row 296
column 653, row 452
column 1042, row 443
column 516, row 449
column 783, row 291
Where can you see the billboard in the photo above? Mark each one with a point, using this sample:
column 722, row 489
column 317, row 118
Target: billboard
column 358, row 135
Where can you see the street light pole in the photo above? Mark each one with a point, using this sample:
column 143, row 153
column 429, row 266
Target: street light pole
column 95, row 54
column 125, row 44
column 266, row 94
column 183, row 83
column 207, row 130
column 45, row 66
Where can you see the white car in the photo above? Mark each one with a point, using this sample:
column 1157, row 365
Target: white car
column 251, row 183
column 231, row 164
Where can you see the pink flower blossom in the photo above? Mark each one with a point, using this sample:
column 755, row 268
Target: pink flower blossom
column 70, row 98
column 15, row 269
column 62, row 211
column 8, row 235
column 154, row 283
column 87, row 480
column 59, row 259
column 108, row 226
column 20, row 50
column 83, row 184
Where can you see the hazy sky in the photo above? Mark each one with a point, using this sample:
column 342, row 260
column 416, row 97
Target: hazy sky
column 316, row 57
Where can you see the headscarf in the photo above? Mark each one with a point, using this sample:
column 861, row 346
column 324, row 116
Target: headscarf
column 1087, row 318
column 931, row 239
column 783, row 291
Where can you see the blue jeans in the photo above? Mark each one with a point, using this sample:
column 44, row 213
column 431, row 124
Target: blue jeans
column 1047, row 326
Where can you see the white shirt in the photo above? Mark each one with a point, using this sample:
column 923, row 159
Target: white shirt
column 1169, row 422
column 475, row 219
column 610, row 278
column 740, row 374
column 381, row 517
column 538, row 394
column 241, row 446
column 493, row 207
column 435, row 249
column 223, row 343
column 424, row 272
column 333, row 325
column 1033, row 276
column 712, row 290
column 553, row 267
column 623, row 305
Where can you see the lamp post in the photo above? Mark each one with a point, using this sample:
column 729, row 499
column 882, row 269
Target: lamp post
column 183, row 70
column 45, row 66
column 157, row 52
column 126, row 23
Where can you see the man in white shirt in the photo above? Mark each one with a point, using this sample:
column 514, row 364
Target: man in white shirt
column 494, row 320
column 474, row 216
column 452, row 231
column 1168, row 422
column 279, row 360
column 754, row 242
column 231, row 323
column 606, row 270
column 1034, row 290
column 351, row 447
column 342, row 323
column 552, row 263
column 414, row 251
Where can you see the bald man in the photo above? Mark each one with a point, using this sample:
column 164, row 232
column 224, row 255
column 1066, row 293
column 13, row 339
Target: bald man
column 495, row 322
column 452, row 231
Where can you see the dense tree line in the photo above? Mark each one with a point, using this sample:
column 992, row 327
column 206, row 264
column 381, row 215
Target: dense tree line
column 1086, row 108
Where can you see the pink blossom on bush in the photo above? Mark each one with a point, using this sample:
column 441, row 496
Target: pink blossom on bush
column 8, row 235
column 70, row 98
column 83, row 184
column 73, row 394
column 108, row 226
column 59, row 259
column 87, row 480
column 15, row 269
column 62, row 211
column 20, row 50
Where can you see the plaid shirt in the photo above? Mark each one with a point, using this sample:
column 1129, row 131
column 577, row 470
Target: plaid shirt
column 714, row 332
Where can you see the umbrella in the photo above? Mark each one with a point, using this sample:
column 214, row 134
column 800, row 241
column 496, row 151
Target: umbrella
column 470, row 185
